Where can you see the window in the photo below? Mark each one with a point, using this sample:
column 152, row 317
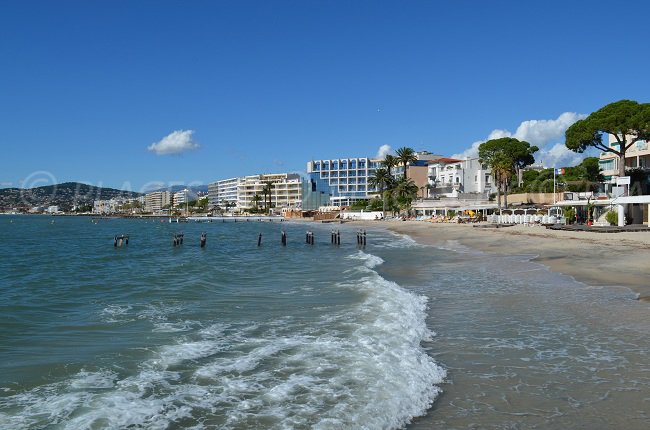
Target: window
column 487, row 179
column 335, row 165
column 476, row 179
column 607, row 164
column 353, row 164
column 316, row 167
column 362, row 164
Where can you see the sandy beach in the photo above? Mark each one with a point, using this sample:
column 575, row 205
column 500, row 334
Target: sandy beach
column 596, row 259
column 527, row 348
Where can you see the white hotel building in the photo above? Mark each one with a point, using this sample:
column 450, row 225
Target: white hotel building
column 346, row 178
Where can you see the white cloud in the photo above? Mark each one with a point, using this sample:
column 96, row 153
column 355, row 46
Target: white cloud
column 174, row 143
column 546, row 134
column 383, row 151
column 559, row 155
column 498, row 134
column 543, row 132
column 470, row 152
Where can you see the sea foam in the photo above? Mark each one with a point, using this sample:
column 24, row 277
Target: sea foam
column 348, row 355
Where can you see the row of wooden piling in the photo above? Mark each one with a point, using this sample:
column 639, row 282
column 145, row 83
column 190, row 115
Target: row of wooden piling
column 120, row 240
column 177, row 239
column 310, row 239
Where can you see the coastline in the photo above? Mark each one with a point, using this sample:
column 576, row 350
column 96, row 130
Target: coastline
column 595, row 259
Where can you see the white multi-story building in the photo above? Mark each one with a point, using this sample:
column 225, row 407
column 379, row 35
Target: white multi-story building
column 449, row 177
column 636, row 156
column 345, row 178
column 286, row 191
column 183, row 196
column 223, row 193
column 154, row 202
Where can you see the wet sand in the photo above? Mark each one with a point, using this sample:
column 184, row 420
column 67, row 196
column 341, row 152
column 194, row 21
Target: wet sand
column 596, row 259
column 526, row 347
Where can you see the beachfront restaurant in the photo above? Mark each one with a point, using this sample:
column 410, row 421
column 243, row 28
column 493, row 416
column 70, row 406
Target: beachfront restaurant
column 444, row 208
column 630, row 209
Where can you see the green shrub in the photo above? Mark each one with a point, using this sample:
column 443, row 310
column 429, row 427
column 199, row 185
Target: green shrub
column 569, row 213
column 612, row 217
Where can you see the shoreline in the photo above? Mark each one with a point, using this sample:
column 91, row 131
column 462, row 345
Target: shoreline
column 595, row 259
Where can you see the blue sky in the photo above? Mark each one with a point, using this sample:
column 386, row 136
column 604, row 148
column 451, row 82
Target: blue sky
column 87, row 88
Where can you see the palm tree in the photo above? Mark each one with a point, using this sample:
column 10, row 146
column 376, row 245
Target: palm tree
column 267, row 189
column 405, row 156
column 382, row 180
column 256, row 199
column 505, row 156
column 405, row 192
column 389, row 162
column 502, row 171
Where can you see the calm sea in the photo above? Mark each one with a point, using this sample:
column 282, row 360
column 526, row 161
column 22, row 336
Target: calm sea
column 236, row 336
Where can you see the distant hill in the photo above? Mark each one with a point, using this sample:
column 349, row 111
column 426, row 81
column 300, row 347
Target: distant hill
column 63, row 195
column 177, row 188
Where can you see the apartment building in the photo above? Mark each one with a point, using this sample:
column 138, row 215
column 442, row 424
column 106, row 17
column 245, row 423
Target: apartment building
column 154, row 202
column 183, row 196
column 636, row 156
column 223, row 193
column 287, row 190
